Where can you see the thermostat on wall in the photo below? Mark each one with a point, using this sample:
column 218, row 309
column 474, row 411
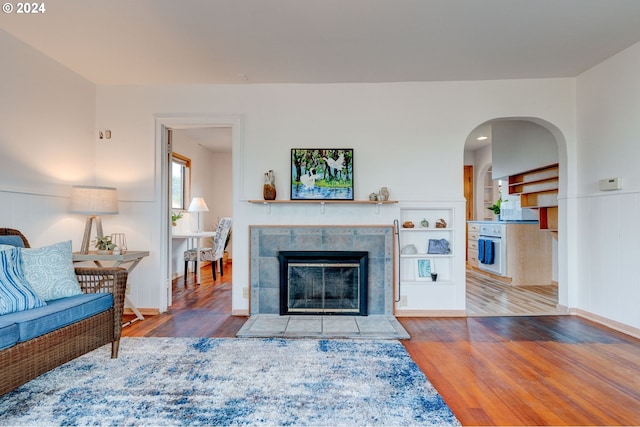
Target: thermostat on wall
column 609, row 184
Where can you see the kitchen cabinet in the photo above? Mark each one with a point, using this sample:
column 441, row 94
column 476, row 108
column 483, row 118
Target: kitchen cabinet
column 526, row 251
column 473, row 233
column 528, row 255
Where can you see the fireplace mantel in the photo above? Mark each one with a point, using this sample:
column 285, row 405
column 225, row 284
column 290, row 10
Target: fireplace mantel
column 323, row 203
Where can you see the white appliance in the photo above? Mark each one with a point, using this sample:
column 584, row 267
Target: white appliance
column 511, row 210
column 495, row 233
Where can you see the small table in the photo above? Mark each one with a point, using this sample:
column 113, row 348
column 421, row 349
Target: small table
column 197, row 236
column 128, row 260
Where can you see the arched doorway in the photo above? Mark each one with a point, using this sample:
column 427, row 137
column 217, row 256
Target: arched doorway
column 500, row 148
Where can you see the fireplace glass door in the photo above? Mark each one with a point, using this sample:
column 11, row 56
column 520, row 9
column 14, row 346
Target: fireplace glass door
column 323, row 283
column 324, row 287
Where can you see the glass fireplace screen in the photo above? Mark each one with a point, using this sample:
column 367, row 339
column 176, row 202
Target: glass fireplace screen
column 323, row 282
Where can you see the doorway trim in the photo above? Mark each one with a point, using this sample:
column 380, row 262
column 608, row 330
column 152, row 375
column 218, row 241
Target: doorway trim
column 182, row 121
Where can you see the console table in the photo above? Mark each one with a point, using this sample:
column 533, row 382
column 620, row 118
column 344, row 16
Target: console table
column 128, row 260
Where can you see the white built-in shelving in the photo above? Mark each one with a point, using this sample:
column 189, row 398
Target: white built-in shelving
column 418, row 237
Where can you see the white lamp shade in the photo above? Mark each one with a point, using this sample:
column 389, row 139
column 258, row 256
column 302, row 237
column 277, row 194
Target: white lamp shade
column 92, row 200
column 198, row 205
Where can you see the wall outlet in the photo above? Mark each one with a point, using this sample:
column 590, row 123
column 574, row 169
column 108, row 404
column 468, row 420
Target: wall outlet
column 403, row 301
column 245, row 292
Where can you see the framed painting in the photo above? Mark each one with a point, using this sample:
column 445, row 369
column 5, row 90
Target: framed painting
column 424, row 268
column 321, row 174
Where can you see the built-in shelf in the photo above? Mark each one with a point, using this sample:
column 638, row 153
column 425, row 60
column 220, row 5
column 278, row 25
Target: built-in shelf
column 538, row 189
column 323, row 203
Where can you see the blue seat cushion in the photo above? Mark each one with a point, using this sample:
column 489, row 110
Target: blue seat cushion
column 58, row 313
column 8, row 334
column 12, row 240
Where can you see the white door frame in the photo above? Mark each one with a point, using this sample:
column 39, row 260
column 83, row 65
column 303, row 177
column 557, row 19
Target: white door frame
column 170, row 121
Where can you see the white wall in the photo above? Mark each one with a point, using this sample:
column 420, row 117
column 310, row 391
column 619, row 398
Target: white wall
column 47, row 141
column 407, row 136
column 608, row 234
column 518, row 146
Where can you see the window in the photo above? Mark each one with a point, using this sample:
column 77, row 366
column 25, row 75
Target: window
column 180, row 181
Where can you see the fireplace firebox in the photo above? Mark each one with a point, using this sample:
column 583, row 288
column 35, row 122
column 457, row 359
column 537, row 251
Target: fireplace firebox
column 323, row 282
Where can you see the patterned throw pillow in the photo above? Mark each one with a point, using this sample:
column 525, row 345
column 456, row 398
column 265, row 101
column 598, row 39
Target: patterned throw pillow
column 49, row 271
column 15, row 293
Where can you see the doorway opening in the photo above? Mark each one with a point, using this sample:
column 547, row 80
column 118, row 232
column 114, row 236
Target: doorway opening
column 213, row 143
column 519, row 142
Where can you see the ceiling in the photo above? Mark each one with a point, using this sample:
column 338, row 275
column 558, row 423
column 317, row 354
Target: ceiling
column 326, row 41
column 130, row 42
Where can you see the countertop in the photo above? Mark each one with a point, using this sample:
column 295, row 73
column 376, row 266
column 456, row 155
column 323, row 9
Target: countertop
column 504, row 222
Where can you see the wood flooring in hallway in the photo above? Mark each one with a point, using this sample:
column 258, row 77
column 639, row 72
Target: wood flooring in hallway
column 519, row 370
column 490, row 297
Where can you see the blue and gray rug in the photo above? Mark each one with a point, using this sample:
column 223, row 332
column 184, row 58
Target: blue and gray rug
column 229, row 381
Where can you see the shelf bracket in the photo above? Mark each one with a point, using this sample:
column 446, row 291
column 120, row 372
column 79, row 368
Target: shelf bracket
column 378, row 208
column 322, row 206
column 267, row 208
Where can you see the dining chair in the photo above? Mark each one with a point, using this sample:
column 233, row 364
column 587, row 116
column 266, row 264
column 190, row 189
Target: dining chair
column 213, row 254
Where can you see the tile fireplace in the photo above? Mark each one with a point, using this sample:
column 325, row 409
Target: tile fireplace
column 267, row 242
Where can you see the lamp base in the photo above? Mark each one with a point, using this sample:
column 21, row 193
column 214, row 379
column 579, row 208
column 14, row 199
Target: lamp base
column 87, row 232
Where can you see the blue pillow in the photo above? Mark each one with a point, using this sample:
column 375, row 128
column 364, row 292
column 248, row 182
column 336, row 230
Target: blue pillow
column 49, row 271
column 15, row 293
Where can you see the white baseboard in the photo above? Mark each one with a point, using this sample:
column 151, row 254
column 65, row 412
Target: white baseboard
column 430, row 313
column 620, row 327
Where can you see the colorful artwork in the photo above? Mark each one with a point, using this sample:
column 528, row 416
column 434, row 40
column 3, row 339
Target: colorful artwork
column 423, row 269
column 321, row 174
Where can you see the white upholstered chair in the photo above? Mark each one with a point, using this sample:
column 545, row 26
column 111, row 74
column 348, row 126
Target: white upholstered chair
column 213, row 254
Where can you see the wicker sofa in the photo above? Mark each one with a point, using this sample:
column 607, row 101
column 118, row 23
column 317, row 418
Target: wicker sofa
column 27, row 359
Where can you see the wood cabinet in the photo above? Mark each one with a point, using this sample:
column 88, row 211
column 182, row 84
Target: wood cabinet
column 528, row 255
column 527, row 250
column 538, row 189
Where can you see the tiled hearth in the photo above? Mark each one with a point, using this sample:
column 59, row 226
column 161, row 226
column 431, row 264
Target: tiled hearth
column 268, row 241
column 351, row 327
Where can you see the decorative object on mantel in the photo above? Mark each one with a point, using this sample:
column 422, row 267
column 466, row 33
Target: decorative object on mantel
column 424, row 223
column 104, row 245
column 408, row 224
column 383, row 195
column 373, row 197
column 269, row 191
column 321, row 174
column 441, row 223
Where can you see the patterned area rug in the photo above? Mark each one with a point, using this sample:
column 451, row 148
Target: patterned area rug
column 229, row 381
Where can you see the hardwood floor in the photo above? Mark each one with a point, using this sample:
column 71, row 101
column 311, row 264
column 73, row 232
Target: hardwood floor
column 198, row 310
column 547, row 370
column 490, row 297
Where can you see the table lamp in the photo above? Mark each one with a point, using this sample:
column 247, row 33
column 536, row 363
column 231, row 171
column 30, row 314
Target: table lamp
column 198, row 205
column 93, row 201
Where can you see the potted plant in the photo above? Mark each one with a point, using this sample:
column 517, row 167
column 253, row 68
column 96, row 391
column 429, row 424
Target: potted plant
column 175, row 216
column 495, row 208
column 104, row 244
